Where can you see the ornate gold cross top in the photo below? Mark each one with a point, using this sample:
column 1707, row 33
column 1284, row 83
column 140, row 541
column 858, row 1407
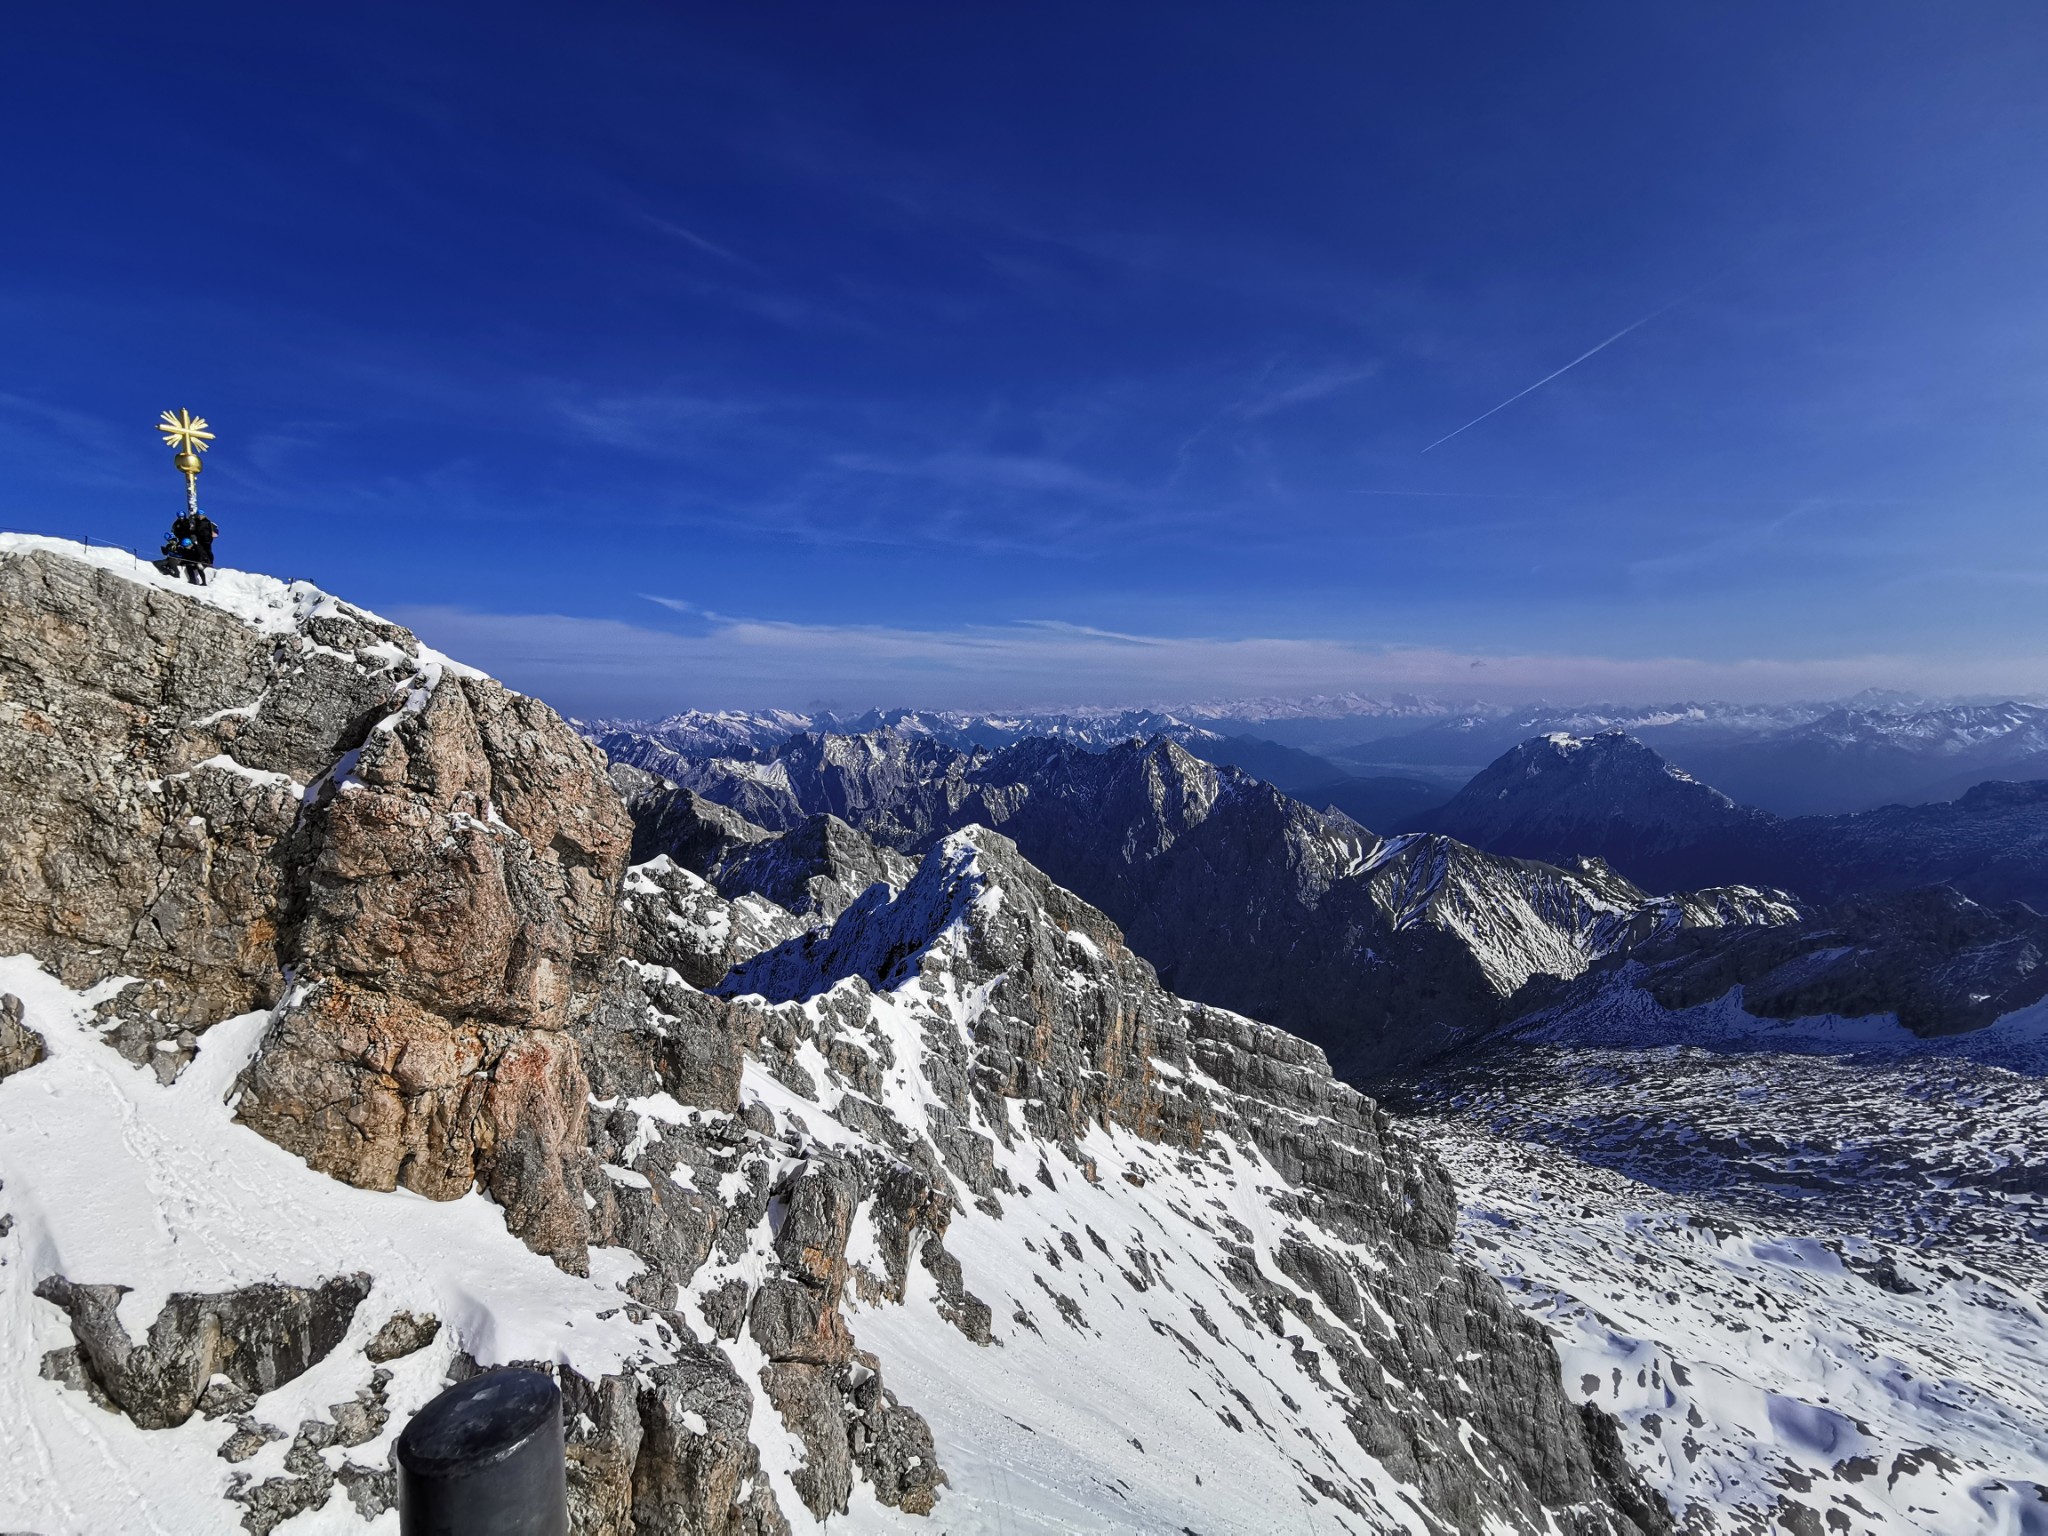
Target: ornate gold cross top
column 188, row 435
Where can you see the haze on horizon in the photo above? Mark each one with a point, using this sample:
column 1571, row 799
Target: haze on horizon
column 950, row 357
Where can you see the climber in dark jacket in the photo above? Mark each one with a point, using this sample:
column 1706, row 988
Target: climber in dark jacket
column 190, row 547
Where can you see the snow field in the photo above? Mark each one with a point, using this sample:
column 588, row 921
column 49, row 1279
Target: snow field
column 1801, row 1261
column 112, row 1178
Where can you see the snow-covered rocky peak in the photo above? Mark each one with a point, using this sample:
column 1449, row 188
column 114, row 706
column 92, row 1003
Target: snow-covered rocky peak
column 676, row 918
column 1560, row 778
column 1380, row 950
column 883, row 935
column 978, row 1221
column 1185, row 1275
column 816, row 870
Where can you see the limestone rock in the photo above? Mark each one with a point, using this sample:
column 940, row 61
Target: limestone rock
column 673, row 917
column 209, row 791
column 258, row 1338
column 403, row 1334
column 20, row 1046
column 153, row 751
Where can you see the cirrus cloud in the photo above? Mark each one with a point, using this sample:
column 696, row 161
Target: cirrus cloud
column 609, row 667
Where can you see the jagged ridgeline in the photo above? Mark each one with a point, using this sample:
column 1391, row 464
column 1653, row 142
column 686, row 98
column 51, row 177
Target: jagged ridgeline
column 1385, row 951
column 921, row 1206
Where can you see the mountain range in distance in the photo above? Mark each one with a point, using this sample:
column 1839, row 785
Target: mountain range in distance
column 1612, row 797
column 1566, row 853
column 1383, row 950
column 1386, row 762
column 1555, row 796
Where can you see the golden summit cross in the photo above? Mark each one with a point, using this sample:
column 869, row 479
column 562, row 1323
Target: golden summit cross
column 188, row 436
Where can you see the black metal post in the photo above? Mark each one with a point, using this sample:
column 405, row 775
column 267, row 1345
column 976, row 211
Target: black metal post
column 485, row 1458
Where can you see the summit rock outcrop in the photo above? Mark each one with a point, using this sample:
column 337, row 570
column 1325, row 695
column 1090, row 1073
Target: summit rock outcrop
column 265, row 798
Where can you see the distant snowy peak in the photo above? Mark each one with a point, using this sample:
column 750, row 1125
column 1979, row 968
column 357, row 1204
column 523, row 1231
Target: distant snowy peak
column 663, row 746
column 1939, row 731
column 1607, row 796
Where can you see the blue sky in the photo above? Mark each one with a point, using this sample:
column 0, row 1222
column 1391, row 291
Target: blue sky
column 656, row 355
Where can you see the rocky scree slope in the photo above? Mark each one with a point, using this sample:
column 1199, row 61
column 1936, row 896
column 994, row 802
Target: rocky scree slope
column 1166, row 1202
column 1384, row 951
column 1931, row 959
column 1799, row 1256
column 306, row 916
column 1561, row 797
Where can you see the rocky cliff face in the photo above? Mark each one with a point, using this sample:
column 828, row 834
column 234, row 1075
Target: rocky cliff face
column 1383, row 951
column 949, row 1185
column 212, row 795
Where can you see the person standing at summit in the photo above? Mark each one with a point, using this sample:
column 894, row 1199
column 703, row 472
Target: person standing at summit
column 190, row 548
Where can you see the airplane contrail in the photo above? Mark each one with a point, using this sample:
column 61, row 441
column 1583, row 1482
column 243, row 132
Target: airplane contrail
column 1568, row 367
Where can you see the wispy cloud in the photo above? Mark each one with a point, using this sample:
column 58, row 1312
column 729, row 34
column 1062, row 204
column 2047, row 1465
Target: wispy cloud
column 691, row 238
column 1272, row 395
column 608, row 667
column 1008, row 472
column 657, row 422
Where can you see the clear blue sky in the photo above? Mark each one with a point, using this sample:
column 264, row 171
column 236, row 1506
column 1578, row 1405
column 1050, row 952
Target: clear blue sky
column 655, row 354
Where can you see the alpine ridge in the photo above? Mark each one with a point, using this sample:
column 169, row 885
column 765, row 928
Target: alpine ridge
column 346, row 1055
column 1384, row 951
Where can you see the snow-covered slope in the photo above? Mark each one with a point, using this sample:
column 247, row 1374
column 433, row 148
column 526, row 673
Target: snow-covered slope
column 1196, row 1300
column 1801, row 1259
column 113, row 1177
column 1216, row 1281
